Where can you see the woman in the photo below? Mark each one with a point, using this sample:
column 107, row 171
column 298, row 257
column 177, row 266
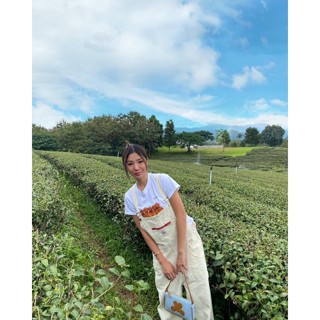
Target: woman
column 159, row 214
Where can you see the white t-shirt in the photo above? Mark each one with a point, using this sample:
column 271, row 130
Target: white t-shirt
column 151, row 194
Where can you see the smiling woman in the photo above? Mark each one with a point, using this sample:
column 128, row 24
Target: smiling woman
column 158, row 212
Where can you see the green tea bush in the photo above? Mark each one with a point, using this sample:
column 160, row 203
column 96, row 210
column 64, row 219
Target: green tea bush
column 67, row 281
column 48, row 210
column 66, row 285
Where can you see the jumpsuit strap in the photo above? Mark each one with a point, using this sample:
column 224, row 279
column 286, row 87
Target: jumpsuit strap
column 160, row 189
column 135, row 199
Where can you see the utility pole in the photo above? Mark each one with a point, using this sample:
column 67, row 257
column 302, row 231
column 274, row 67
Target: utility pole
column 210, row 177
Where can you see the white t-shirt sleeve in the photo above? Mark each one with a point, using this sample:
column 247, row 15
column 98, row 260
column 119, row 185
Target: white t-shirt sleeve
column 129, row 207
column 169, row 185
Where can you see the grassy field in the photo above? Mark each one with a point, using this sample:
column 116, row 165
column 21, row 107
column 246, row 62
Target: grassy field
column 227, row 151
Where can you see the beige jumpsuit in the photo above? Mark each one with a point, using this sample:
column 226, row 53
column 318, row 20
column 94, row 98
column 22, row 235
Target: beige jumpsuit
column 162, row 228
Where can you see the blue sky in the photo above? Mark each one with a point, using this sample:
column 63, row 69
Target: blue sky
column 196, row 62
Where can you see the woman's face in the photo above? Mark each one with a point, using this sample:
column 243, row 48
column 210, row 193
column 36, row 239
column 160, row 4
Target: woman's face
column 136, row 166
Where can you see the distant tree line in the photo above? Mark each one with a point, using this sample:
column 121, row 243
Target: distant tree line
column 270, row 135
column 107, row 135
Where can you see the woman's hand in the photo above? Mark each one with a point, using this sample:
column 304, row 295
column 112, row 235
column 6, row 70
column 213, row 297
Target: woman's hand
column 181, row 224
column 182, row 262
column 168, row 268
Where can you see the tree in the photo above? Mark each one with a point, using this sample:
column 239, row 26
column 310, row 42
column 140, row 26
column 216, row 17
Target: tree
column 155, row 132
column 285, row 143
column 252, row 136
column 193, row 139
column 207, row 135
column 100, row 135
column 138, row 128
column 43, row 141
column 143, row 131
column 272, row 135
column 223, row 137
column 71, row 136
column 38, row 129
column 169, row 138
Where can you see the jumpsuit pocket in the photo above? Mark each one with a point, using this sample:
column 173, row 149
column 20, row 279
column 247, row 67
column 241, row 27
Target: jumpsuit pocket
column 162, row 227
column 161, row 231
column 194, row 241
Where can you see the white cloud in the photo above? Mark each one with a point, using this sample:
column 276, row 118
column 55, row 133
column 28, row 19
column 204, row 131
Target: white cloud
column 264, row 4
column 243, row 42
column 256, row 76
column 212, row 118
column 279, row 103
column 200, row 98
column 54, row 90
column 46, row 116
column 191, row 110
column 257, row 106
column 250, row 75
column 270, row 119
column 124, row 42
column 264, row 41
column 260, row 104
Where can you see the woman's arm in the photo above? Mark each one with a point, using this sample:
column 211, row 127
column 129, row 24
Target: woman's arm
column 167, row 267
column 180, row 213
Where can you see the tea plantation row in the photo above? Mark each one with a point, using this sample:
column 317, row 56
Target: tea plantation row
column 265, row 158
column 68, row 281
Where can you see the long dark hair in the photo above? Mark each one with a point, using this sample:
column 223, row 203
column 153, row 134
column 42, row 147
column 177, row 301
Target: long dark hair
column 133, row 148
